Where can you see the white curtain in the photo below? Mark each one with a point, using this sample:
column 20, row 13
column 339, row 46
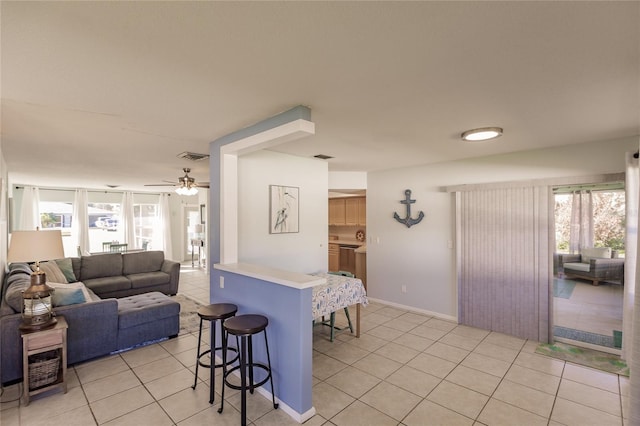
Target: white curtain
column 30, row 209
column 128, row 220
column 504, row 263
column 80, row 221
column 631, row 333
column 164, row 220
column 581, row 232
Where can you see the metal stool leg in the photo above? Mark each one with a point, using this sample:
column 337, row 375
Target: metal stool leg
column 195, row 381
column 243, row 380
column 212, row 372
column 250, row 365
column 273, row 394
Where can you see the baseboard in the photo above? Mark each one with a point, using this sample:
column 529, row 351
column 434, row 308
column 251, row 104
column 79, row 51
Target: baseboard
column 412, row 309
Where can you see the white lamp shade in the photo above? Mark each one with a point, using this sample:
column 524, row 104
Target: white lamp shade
column 35, row 246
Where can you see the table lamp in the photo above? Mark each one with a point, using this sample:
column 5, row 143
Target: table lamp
column 29, row 246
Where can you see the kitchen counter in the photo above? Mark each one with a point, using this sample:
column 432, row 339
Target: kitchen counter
column 347, row 241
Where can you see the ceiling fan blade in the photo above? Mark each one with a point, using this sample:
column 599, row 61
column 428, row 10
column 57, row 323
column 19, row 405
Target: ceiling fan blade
column 202, row 184
column 160, row 184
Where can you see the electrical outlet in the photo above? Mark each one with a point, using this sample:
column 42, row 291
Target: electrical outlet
column 221, row 282
column 404, row 288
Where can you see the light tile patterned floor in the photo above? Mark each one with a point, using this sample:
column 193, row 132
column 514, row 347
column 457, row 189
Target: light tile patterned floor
column 406, row 369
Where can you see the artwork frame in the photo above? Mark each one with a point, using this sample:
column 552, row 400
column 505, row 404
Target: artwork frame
column 284, row 209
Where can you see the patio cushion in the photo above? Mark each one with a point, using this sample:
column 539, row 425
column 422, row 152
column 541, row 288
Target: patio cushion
column 595, row 252
column 577, row 266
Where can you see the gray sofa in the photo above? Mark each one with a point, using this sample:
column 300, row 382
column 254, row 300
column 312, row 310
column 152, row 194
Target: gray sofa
column 126, row 307
column 594, row 264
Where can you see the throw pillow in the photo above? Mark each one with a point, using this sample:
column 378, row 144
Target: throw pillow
column 67, row 296
column 77, row 285
column 66, row 267
column 52, row 270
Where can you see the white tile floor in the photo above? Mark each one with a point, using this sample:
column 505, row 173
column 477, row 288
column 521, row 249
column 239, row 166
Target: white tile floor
column 597, row 309
column 406, row 369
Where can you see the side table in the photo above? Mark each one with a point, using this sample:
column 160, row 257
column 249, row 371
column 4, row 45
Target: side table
column 44, row 359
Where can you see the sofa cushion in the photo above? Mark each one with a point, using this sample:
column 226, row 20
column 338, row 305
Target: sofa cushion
column 148, row 279
column 100, row 266
column 595, row 252
column 108, row 284
column 52, row 270
column 16, row 284
column 143, row 261
column 66, row 267
column 144, row 308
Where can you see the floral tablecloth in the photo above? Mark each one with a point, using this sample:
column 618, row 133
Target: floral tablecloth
column 339, row 292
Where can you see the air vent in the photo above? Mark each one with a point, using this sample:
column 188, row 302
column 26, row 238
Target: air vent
column 192, row 156
column 322, row 156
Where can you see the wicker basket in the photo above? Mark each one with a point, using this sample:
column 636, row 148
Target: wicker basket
column 43, row 369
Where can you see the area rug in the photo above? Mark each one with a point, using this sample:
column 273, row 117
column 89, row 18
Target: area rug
column 189, row 319
column 584, row 336
column 563, row 288
column 587, row 357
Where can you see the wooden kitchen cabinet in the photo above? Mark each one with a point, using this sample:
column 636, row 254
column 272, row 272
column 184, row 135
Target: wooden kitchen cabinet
column 337, row 211
column 334, row 257
column 356, row 211
column 350, row 211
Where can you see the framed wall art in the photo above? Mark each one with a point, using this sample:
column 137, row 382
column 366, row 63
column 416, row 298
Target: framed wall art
column 284, row 216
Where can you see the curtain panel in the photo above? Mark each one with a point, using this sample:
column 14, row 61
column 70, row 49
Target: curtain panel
column 80, row 221
column 128, row 220
column 581, row 235
column 30, row 209
column 504, row 260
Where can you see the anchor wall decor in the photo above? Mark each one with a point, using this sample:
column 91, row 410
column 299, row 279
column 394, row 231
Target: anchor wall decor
column 408, row 221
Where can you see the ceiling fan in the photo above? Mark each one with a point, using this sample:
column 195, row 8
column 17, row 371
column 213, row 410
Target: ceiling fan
column 186, row 185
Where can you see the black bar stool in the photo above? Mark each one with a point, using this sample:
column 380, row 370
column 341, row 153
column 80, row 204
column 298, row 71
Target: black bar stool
column 213, row 313
column 245, row 326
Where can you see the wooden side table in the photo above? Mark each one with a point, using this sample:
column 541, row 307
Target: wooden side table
column 44, row 359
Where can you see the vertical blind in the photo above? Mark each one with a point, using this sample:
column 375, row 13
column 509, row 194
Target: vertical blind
column 504, row 260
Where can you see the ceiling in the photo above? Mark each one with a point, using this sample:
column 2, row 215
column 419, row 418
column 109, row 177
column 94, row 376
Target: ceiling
column 109, row 93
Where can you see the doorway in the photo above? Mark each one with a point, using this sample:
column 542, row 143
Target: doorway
column 585, row 314
column 191, row 219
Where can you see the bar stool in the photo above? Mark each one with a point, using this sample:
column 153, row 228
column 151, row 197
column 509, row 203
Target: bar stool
column 213, row 313
column 245, row 326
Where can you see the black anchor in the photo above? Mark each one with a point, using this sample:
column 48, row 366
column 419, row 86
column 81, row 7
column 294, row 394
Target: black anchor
column 407, row 220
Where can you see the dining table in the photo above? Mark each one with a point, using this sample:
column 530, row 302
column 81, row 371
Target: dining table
column 337, row 293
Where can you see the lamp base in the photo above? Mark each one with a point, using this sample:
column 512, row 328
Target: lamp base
column 27, row 326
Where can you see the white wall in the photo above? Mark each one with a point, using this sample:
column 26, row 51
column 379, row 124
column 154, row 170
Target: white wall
column 347, row 180
column 422, row 257
column 305, row 251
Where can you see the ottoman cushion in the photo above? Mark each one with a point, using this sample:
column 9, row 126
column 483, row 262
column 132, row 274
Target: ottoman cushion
column 144, row 308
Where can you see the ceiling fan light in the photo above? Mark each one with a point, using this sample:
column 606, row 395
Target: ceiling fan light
column 482, row 134
column 184, row 190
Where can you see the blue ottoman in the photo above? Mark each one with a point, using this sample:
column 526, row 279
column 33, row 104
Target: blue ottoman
column 146, row 317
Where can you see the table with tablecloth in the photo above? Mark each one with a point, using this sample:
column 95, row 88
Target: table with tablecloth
column 338, row 292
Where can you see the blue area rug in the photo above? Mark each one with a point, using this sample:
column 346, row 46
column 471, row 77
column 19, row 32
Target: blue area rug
column 584, row 336
column 563, row 288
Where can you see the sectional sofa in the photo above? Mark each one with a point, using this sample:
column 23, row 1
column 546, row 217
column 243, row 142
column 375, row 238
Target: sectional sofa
column 124, row 302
